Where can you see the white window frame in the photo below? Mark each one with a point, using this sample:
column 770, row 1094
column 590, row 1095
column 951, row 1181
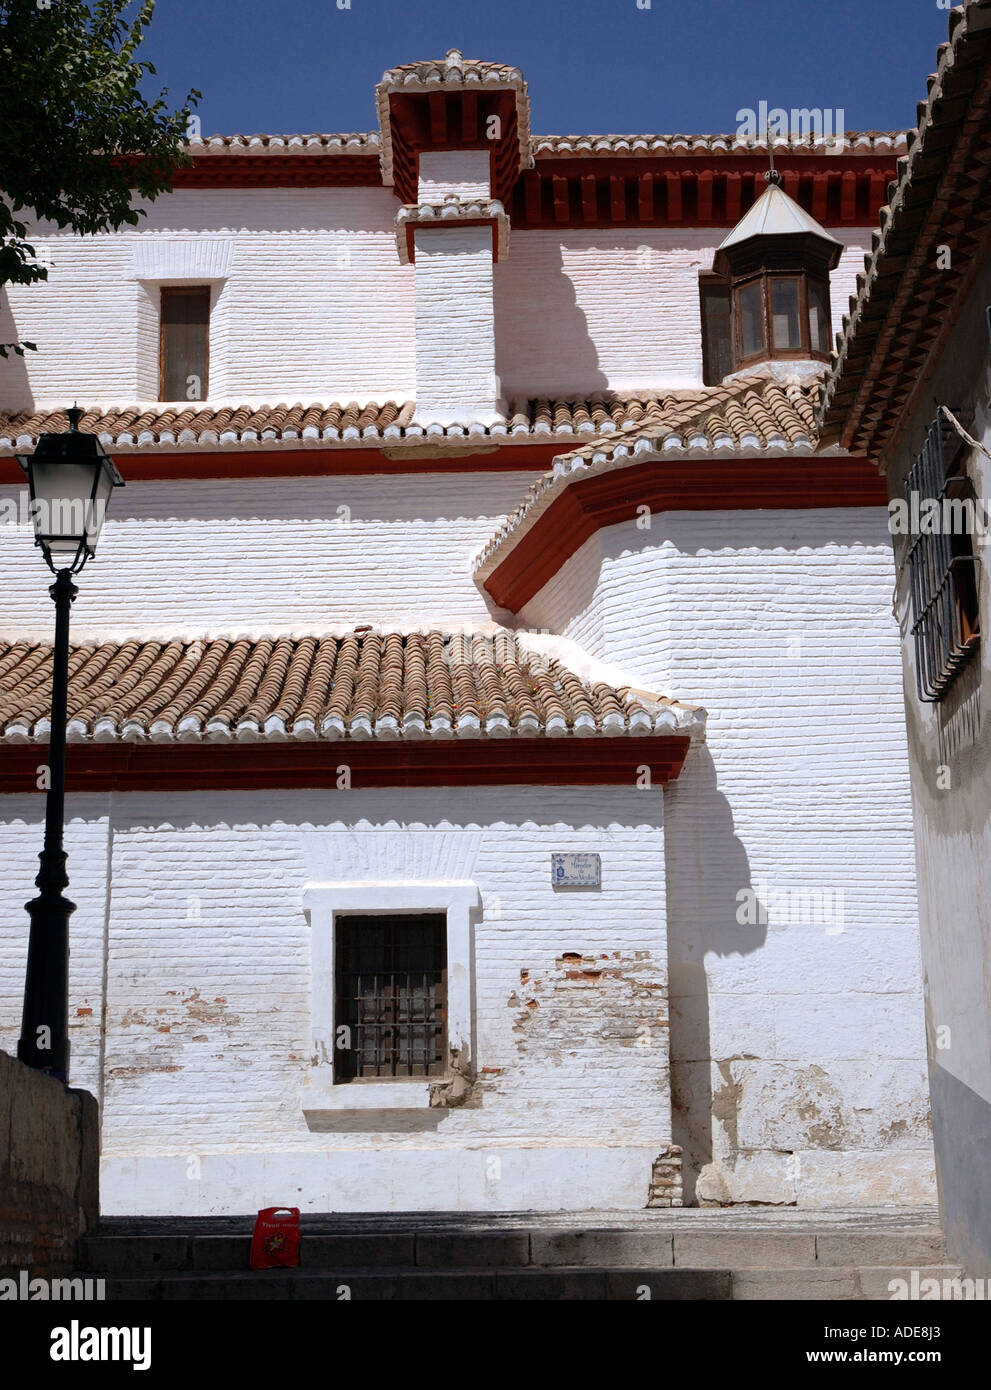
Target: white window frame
column 322, row 902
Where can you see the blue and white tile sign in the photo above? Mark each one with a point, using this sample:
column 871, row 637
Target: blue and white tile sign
column 576, row 871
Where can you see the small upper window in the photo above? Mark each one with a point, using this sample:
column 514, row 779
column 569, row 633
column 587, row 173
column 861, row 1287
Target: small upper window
column 780, row 316
column 185, row 344
column 717, row 347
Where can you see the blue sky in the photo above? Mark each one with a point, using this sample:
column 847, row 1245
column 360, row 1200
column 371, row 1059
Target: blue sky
column 592, row 65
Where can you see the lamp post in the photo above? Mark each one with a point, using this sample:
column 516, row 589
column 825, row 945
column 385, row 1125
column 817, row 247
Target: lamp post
column 70, row 480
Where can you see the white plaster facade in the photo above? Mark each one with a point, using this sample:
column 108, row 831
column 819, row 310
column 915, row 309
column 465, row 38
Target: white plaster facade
column 197, row 964
column 803, row 1034
column 315, row 304
column 797, row 1046
column 786, row 1057
column 948, row 752
column 301, row 549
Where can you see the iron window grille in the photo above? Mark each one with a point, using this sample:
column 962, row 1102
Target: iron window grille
column 391, row 987
column 942, row 565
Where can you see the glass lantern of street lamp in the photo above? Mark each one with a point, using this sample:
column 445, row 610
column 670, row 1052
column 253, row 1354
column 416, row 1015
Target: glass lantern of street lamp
column 70, row 479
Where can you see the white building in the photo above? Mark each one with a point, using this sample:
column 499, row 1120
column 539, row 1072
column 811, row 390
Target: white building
column 911, row 389
column 472, row 519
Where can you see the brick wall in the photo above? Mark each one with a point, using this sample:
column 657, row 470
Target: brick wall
column 617, row 310
column 49, row 1170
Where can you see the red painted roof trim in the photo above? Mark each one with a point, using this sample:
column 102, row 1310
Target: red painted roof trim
column 689, row 486
column 698, row 189
column 103, row 767
column 156, row 465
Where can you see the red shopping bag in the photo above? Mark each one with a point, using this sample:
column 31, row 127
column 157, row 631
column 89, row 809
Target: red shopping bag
column 276, row 1239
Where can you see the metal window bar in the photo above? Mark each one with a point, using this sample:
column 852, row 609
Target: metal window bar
column 391, row 986
column 939, row 578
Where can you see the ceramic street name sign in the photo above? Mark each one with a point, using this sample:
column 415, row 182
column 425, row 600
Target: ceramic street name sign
column 576, row 871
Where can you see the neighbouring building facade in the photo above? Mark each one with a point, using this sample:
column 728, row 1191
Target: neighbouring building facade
column 911, row 389
column 487, row 785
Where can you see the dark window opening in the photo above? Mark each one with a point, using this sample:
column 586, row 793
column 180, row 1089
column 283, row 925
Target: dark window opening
column 391, row 996
column 717, row 345
column 184, row 348
column 941, row 560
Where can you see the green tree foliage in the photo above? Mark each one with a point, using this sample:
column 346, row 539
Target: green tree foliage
column 78, row 140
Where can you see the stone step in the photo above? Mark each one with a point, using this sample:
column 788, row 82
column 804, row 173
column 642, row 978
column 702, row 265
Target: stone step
column 828, row 1282
column 700, row 1248
column 825, row 1283
column 418, row 1283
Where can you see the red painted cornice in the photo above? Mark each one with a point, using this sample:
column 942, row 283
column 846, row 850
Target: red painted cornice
column 105, row 767
column 161, row 465
column 281, row 171
column 686, row 486
column 703, row 189
column 698, row 190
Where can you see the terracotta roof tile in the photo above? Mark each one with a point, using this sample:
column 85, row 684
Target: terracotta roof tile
column 904, row 294
column 745, row 415
column 754, row 404
column 361, row 685
column 451, row 73
column 542, row 146
column 346, row 424
column 352, row 142
column 570, row 146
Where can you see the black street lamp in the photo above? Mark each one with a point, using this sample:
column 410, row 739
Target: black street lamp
column 70, row 479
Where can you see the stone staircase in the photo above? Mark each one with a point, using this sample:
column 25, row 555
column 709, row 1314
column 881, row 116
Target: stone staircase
column 757, row 1253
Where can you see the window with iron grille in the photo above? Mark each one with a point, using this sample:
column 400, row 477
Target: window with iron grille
column 941, row 561
column 391, row 996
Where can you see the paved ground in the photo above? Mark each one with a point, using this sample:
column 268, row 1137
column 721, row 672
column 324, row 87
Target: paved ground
column 659, row 1220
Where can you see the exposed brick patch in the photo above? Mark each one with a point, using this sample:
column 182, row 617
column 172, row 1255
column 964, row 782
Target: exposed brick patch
column 665, row 1178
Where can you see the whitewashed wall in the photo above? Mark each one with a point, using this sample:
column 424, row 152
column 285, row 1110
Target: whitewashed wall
column 950, row 751
column 315, row 305
column 311, row 303
column 455, row 337
column 806, row 1042
column 254, row 556
column 461, row 173
column 617, row 310
column 205, row 949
